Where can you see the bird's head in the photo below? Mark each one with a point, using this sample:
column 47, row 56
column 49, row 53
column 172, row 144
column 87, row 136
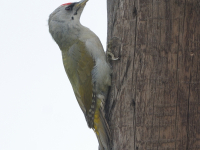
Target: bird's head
column 68, row 12
column 64, row 23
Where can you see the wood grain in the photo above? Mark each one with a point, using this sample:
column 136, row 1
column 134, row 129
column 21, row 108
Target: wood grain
column 154, row 101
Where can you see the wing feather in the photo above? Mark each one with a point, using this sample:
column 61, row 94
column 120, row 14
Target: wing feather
column 78, row 65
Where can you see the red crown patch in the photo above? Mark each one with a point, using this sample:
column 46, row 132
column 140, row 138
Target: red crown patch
column 66, row 4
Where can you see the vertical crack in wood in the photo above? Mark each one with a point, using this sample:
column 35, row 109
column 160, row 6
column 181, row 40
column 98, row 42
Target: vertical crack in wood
column 187, row 126
column 134, row 117
column 155, row 80
column 177, row 79
column 188, row 112
column 188, row 117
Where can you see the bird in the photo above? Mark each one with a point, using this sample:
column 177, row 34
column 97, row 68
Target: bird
column 86, row 66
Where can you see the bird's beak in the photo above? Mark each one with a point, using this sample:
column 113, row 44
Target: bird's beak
column 81, row 3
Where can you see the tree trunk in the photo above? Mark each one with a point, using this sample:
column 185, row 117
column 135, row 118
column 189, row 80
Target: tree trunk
column 154, row 101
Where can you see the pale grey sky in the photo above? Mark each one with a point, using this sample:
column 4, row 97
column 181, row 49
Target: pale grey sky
column 38, row 110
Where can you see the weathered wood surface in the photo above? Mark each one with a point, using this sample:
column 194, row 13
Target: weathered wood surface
column 154, row 102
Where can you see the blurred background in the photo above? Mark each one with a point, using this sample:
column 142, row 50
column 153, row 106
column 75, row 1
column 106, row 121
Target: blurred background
column 38, row 109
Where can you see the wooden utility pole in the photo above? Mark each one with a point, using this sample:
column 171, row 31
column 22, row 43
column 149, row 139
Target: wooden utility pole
column 154, row 102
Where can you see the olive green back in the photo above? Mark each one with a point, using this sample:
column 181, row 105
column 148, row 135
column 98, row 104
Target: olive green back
column 78, row 65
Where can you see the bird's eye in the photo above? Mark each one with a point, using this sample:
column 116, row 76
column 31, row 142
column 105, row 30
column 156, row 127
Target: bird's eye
column 68, row 8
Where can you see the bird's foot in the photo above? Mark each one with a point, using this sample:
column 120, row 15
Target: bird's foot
column 114, row 43
column 112, row 57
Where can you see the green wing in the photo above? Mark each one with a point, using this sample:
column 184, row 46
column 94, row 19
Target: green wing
column 78, row 65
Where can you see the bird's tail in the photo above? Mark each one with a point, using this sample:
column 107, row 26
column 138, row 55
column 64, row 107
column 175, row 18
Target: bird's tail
column 101, row 127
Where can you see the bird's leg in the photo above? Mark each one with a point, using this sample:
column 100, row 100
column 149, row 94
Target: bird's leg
column 102, row 99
